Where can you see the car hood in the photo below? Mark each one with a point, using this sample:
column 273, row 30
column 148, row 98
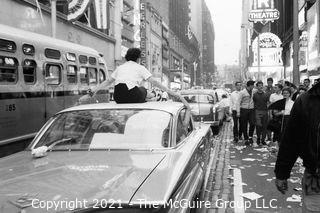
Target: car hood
column 72, row 176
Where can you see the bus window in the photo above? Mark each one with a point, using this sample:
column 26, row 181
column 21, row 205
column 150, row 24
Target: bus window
column 53, row 74
column 29, row 71
column 51, row 53
column 72, row 74
column 8, row 70
column 71, row 57
column 8, row 46
column 84, row 75
column 28, row 49
column 102, row 76
column 92, row 61
column 93, row 75
column 83, row 59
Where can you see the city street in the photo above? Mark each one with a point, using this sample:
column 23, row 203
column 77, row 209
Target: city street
column 247, row 179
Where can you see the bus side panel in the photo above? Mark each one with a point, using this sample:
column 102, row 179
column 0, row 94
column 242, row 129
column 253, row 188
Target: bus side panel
column 19, row 117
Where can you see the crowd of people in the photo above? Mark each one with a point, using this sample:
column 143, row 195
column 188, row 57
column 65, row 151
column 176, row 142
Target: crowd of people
column 251, row 107
column 289, row 115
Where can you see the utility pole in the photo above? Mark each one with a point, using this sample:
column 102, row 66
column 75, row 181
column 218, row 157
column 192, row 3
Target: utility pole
column 259, row 59
column 53, row 17
column 182, row 74
column 296, row 72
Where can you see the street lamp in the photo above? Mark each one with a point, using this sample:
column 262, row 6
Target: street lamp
column 258, row 46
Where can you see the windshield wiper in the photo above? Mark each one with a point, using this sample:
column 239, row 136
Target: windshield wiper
column 42, row 150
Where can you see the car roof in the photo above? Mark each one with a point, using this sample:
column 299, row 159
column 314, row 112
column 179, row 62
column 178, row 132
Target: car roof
column 197, row 91
column 170, row 107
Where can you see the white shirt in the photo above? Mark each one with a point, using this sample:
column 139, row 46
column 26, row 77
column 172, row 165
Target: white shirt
column 234, row 101
column 130, row 73
column 224, row 103
column 288, row 107
column 275, row 97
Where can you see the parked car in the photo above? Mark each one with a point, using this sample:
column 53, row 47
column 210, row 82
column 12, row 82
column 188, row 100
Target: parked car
column 205, row 107
column 134, row 156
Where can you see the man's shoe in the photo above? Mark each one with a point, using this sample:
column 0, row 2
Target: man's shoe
column 258, row 141
column 246, row 142
column 254, row 145
column 263, row 143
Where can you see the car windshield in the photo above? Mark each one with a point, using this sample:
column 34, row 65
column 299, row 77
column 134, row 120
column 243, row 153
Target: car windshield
column 108, row 129
column 198, row 98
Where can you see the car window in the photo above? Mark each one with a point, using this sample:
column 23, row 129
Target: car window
column 108, row 129
column 198, row 98
column 182, row 131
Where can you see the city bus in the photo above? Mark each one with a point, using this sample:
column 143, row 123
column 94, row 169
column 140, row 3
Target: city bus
column 40, row 76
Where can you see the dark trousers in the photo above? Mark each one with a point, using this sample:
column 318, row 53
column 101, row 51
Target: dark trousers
column 236, row 122
column 247, row 116
column 123, row 95
column 261, row 124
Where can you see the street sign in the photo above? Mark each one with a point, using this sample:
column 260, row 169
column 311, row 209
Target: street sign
column 263, row 11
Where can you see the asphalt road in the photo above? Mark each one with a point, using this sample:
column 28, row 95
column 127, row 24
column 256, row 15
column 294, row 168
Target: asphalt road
column 255, row 167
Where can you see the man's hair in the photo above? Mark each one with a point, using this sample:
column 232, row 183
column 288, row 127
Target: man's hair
column 286, row 89
column 224, row 96
column 307, row 79
column 237, row 82
column 270, row 79
column 250, row 83
column 279, row 86
column 133, row 54
column 287, row 83
column 303, row 88
column 258, row 83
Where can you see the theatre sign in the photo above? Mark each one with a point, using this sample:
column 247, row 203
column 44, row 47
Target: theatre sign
column 263, row 11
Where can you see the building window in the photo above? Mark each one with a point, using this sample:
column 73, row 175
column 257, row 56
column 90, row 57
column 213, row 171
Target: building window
column 72, row 74
column 29, row 71
column 92, row 61
column 8, row 70
column 53, row 74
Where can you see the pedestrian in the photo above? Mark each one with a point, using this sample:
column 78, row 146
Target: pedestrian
column 269, row 90
column 235, row 109
column 247, row 112
column 285, row 114
column 299, row 92
column 273, row 98
column 128, row 78
column 260, row 100
column 306, row 83
column 301, row 139
column 276, row 96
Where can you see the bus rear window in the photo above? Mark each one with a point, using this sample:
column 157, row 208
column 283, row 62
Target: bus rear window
column 53, row 74
column 53, row 54
column 8, row 70
column 8, row 46
column 72, row 74
column 83, row 59
column 84, row 75
column 28, row 49
column 93, row 75
column 29, row 71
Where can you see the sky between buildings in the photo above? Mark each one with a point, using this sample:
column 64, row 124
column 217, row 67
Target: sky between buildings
column 226, row 17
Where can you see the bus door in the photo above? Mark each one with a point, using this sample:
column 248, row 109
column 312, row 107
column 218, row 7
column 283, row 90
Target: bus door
column 53, row 82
